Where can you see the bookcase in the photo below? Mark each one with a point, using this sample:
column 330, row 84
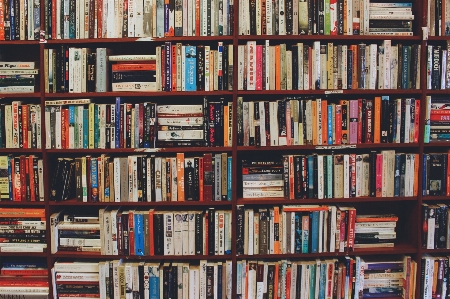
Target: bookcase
column 408, row 208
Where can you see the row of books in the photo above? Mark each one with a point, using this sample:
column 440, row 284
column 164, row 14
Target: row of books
column 143, row 233
column 174, row 67
column 375, row 174
column 349, row 277
column 114, row 19
column 435, row 226
column 328, row 66
column 17, row 77
column 310, row 229
column 435, row 177
column 141, row 178
column 23, row 279
column 438, row 67
column 437, row 18
column 21, row 178
column 121, row 278
column 20, row 125
column 22, row 230
column 20, row 20
column 434, row 276
column 287, row 17
column 437, row 119
column 297, row 121
column 82, row 124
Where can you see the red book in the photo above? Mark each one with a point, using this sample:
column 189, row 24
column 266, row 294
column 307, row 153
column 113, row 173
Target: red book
column 31, row 159
column 351, row 230
column 324, row 122
column 174, row 67
column 25, row 126
column 54, row 35
column 417, row 122
column 259, row 67
column 15, row 271
column 208, row 175
column 360, row 121
column 197, row 18
column 2, row 21
column 65, row 133
column 201, row 177
column 338, row 124
column 151, row 232
column 23, row 178
column 131, row 232
column 379, row 175
column 99, row 18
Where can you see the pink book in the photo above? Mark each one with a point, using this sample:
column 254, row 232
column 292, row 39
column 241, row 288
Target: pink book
column 259, row 67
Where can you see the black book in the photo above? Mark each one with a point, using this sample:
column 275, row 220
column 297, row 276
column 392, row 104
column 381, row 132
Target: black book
column 298, row 232
column 200, row 67
column 437, row 174
column 196, row 194
column 189, row 180
column 252, row 17
column 225, row 82
column 263, row 231
column 209, row 281
column 16, row 20
column 289, row 16
column 392, row 119
column 91, row 71
column 402, row 124
column 340, row 17
column 315, row 174
column 143, row 177
column 298, row 183
column 441, row 236
column 211, row 231
column 436, row 68
column 125, row 235
column 7, row 20
column 56, row 178
column 257, row 137
column 294, row 67
column 199, row 233
column 158, row 235
column 384, row 120
column 240, row 211
column 400, row 66
column 373, row 171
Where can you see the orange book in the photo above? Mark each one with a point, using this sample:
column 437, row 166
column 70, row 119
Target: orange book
column 180, row 176
column 23, row 177
column 133, row 67
column 277, row 68
column 304, row 208
column 377, row 119
column 355, row 66
column 417, row 121
column 288, row 280
column 25, row 126
column 131, row 232
column 376, row 218
column 174, row 67
column 314, row 122
column 151, row 244
column 99, row 18
column 324, row 122
column 276, row 220
column 2, row 21
column 275, row 279
column 22, row 213
column 225, row 125
column 197, row 18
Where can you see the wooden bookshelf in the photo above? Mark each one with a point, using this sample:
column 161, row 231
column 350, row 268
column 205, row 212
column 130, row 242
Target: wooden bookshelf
column 411, row 214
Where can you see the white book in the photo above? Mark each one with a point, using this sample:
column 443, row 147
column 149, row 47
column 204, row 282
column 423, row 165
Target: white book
column 319, row 124
column 250, row 231
column 346, row 176
column 194, row 283
column 316, row 65
column 381, row 75
column 139, row 18
column 431, row 229
column 251, row 65
column 169, row 232
column 262, row 123
column 394, row 66
column 300, row 65
column 407, row 120
column 359, row 175
column 246, row 19
column 387, row 64
column 272, row 69
column 149, row 178
column 207, row 67
column 57, row 127
column 273, row 110
column 158, row 68
column 114, row 232
column 320, row 179
column 178, row 233
column 411, row 177
column 79, row 19
column 158, row 191
column 241, row 53
column 288, row 70
column 332, row 215
column 373, row 50
column 131, row 17
column 281, row 18
column 191, row 233
column 202, row 267
column 9, row 127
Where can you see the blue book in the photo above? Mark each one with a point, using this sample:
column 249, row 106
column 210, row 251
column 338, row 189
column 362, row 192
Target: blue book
column 426, row 157
column 191, row 68
column 153, row 274
column 310, row 177
column 312, row 280
column 94, row 180
column 219, row 75
column 298, row 232
column 85, row 128
column 72, row 122
column 229, row 177
column 406, row 56
column 24, row 265
column 398, row 167
column 96, row 126
column 323, row 279
column 117, row 131
column 139, row 234
column 330, row 124
column 12, row 19
column 314, row 231
column 305, row 234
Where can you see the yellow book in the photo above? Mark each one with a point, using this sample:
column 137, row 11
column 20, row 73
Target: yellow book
column 180, row 176
column 377, row 119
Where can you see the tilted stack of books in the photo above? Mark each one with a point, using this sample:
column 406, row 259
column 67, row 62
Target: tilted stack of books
column 17, row 76
column 390, row 18
column 133, row 72
column 76, row 278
